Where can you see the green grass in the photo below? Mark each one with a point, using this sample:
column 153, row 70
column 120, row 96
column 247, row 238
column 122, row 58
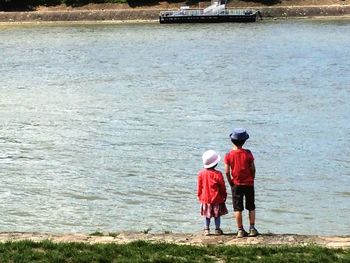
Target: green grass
column 28, row 251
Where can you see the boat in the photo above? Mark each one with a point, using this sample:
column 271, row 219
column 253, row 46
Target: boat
column 217, row 12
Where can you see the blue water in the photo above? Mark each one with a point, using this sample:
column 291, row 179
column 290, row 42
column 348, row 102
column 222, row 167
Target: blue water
column 103, row 126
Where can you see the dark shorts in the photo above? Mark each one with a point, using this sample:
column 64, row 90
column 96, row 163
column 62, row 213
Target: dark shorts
column 240, row 191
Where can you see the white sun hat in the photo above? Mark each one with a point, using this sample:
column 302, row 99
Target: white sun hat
column 210, row 159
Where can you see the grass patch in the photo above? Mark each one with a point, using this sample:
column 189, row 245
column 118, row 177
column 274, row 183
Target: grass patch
column 141, row 251
column 147, row 230
column 113, row 234
column 97, row 233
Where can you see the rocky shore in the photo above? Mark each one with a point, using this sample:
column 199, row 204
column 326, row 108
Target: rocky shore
column 184, row 239
column 151, row 14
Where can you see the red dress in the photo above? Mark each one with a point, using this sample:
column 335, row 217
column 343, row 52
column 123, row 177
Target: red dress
column 211, row 192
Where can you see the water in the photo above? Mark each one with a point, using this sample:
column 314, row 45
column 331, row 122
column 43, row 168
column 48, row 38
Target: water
column 103, row 126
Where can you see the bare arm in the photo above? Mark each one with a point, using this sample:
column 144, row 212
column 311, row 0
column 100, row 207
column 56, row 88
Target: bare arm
column 252, row 168
column 228, row 174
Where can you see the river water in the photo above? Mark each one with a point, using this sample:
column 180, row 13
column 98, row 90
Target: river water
column 103, row 126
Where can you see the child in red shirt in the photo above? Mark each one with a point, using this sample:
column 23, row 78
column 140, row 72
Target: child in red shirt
column 211, row 191
column 240, row 173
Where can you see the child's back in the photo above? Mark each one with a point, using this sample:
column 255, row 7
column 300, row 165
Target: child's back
column 240, row 161
column 211, row 186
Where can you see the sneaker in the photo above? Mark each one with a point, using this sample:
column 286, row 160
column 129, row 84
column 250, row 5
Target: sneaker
column 206, row 232
column 253, row 232
column 219, row 232
column 241, row 233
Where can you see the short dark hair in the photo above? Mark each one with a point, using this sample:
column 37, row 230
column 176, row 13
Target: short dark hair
column 213, row 167
column 238, row 143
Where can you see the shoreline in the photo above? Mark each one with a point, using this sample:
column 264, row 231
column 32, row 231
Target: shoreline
column 150, row 15
column 78, row 22
column 139, row 21
column 182, row 239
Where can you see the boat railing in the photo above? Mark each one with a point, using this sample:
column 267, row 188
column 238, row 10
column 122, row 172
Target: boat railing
column 182, row 12
column 200, row 12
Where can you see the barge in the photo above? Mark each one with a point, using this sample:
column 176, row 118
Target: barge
column 217, row 12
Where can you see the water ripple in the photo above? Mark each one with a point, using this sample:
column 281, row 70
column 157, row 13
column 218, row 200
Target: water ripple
column 101, row 124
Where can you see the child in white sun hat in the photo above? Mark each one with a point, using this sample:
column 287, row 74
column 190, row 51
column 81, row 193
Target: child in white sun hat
column 211, row 191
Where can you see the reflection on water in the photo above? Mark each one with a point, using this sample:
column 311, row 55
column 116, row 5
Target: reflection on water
column 103, row 126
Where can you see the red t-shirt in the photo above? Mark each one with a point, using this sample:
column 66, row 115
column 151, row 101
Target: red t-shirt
column 211, row 187
column 240, row 161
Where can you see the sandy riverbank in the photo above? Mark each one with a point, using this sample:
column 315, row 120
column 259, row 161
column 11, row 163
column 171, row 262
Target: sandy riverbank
column 152, row 13
column 185, row 239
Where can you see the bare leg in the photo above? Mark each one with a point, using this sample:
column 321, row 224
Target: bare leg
column 252, row 230
column 252, row 217
column 238, row 216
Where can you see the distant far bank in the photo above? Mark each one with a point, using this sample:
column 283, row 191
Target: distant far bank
column 122, row 12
